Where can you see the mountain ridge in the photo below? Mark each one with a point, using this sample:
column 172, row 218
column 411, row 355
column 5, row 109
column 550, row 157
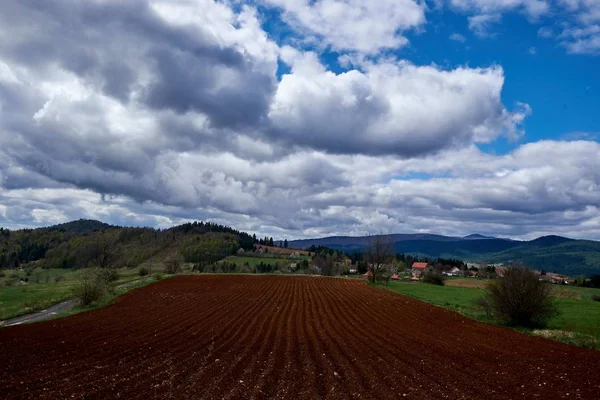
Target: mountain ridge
column 552, row 253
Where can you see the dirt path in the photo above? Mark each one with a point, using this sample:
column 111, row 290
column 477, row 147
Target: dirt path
column 54, row 310
column 264, row 337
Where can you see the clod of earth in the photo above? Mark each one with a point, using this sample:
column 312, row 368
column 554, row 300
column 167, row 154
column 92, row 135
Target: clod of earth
column 283, row 337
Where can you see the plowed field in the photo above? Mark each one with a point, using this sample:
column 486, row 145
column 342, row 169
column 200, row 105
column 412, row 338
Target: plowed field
column 232, row 337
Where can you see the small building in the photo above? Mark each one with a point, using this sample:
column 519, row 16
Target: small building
column 395, row 277
column 368, row 274
column 414, row 278
column 500, row 271
column 419, row 268
column 455, row 271
column 559, row 279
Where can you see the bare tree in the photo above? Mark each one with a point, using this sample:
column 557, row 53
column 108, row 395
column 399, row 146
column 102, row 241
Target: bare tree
column 104, row 254
column 379, row 255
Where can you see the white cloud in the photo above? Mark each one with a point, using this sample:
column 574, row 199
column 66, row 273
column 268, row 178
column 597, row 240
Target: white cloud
column 531, row 8
column 357, row 25
column 393, row 108
column 481, row 24
column 545, row 32
column 457, row 37
column 540, row 188
column 183, row 117
column 532, row 50
column 583, row 40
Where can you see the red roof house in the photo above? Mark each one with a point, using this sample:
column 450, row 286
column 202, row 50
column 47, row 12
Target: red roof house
column 395, row 277
column 421, row 266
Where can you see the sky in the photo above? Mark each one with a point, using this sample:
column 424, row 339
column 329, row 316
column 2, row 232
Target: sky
column 303, row 118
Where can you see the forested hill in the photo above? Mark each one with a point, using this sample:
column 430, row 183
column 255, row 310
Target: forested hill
column 81, row 226
column 552, row 253
column 81, row 243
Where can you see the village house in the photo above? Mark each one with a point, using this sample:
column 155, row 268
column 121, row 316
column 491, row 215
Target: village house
column 419, row 268
column 559, row 279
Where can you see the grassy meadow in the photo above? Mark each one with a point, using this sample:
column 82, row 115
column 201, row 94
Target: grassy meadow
column 578, row 321
column 45, row 287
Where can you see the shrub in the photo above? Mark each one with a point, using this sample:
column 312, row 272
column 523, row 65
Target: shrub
column 596, row 297
column 90, row 288
column 172, row 267
column 245, row 269
column 519, row 298
column 158, row 277
column 313, row 270
column 144, row 271
column 433, row 278
column 107, row 274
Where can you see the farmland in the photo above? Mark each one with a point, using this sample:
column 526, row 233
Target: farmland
column 218, row 336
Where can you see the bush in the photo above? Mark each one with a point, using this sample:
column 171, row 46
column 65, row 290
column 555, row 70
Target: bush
column 144, row 271
column 90, row 288
column 596, row 297
column 313, row 270
column 172, row 267
column 433, row 278
column 158, row 277
column 519, row 298
column 107, row 274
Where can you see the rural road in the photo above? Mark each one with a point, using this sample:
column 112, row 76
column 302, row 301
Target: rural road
column 54, row 310
column 42, row 315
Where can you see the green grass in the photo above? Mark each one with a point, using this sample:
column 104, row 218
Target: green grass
column 254, row 261
column 109, row 297
column 21, row 299
column 578, row 315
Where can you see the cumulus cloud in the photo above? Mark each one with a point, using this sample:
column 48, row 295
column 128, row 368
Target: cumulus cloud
column 540, row 188
column 390, row 108
column 358, row 25
column 158, row 112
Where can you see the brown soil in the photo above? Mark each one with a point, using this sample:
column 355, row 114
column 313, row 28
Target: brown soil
column 264, row 337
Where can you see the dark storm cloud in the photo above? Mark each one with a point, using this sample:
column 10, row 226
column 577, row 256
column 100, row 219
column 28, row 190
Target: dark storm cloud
column 195, row 81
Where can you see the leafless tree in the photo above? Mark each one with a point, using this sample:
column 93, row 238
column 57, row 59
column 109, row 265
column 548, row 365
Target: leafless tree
column 104, row 252
column 379, row 255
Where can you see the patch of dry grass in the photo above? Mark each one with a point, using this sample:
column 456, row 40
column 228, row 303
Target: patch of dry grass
column 467, row 283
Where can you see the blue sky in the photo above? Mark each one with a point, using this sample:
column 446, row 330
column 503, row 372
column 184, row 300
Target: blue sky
column 303, row 118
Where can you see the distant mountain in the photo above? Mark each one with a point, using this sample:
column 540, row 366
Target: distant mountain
column 477, row 236
column 359, row 241
column 551, row 253
column 82, row 226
